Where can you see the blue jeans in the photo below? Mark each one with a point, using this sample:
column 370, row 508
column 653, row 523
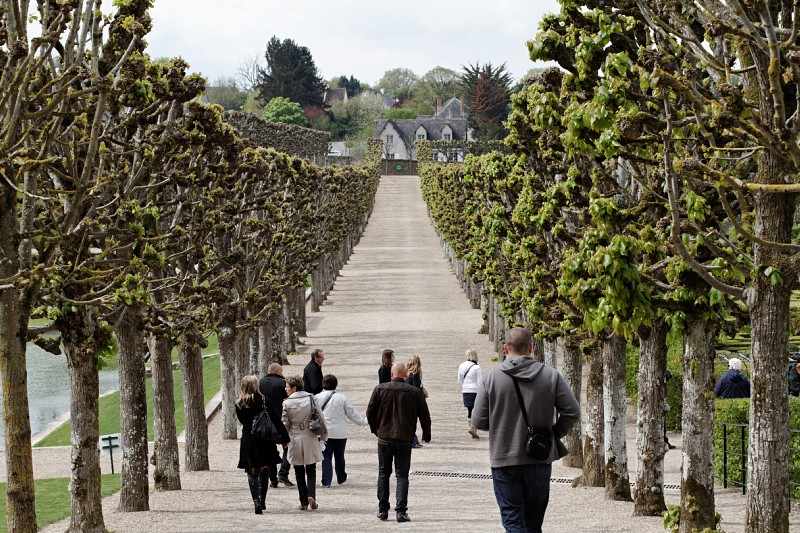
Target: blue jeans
column 400, row 452
column 522, row 493
column 334, row 448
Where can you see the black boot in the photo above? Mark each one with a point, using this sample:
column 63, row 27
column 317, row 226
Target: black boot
column 255, row 490
column 262, row 495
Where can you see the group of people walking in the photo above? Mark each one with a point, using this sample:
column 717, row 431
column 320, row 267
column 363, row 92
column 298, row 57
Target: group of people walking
column 510, row 402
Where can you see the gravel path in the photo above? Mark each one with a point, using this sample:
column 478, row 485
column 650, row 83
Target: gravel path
column 396, row 291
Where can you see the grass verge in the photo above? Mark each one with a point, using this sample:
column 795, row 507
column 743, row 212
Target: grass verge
column 52, row 498
column 110, row 412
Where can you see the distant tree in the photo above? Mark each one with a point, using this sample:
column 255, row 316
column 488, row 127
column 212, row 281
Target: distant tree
column 488, row 96
column 352, row 84
column 439, row 82
column 225, row 92
column 356, row 117
column 400, row 113
column 290, row 73
column 399, row 83
column 283, row 110
column 417, row 106
column 247, row 72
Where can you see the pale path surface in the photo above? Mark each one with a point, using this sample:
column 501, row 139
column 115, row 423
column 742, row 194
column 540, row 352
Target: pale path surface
column 396, row 292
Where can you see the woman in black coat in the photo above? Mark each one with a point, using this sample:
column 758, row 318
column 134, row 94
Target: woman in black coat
column 256, row 456
column 385, row 370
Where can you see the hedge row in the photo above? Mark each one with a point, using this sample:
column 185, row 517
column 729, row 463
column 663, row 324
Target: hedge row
column 286, row 138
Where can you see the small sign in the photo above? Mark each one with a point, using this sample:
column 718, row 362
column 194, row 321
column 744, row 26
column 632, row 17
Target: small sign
column 110, row 443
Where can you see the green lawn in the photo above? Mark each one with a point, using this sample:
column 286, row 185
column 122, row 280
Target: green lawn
column 52, row 498
column 109, row 406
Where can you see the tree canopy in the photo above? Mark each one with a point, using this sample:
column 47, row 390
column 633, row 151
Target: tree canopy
column 290, row 73
column 281, row 109
column 488, row 95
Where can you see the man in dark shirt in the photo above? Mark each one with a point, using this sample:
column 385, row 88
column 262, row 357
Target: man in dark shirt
column 273, row 387
column 312, row 375
column 392, row 413
column 733, row 384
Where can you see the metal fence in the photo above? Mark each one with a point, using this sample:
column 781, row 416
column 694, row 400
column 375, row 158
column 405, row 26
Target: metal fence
column 730, row 462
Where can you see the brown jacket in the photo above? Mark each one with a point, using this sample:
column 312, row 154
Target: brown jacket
column 393, row 411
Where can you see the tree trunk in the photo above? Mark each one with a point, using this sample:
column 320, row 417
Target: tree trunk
column 263, row 348
column 697, row 470
column 196, row 436
column 594, row 448
column 227, row 360
column 551, row 353
column 242, row 344
column 252, row 351
column 165, row 460
column 648, row 496
column 20, row 510
column 616, row 465
column 134, row 490
column 538, row 350
column 288, row 327
column 572, row 375
column 317, row 291
column 300, row 311
column 79, row 332
column 768, row 453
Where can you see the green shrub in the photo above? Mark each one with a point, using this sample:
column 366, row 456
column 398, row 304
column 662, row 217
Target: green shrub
column 735, row 412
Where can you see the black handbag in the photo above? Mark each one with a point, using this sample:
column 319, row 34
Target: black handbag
column 263, row 428
column 540, row 441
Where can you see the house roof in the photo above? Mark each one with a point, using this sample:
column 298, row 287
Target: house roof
column 407, row 127
column 453, row 108
column 336, row 94
column 388, row 101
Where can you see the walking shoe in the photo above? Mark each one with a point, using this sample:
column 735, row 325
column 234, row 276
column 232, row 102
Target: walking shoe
column 312, row 503
column 403, row 517
column 303, row 507
column 474, row 432
column 383, row 515
column 274, row 484
column 325, row 486
column 285, row 481
column 345, row 482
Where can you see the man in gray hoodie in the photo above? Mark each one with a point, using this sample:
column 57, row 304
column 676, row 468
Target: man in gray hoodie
column 522, row 483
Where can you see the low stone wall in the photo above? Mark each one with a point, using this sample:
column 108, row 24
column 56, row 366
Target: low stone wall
column 398, row 167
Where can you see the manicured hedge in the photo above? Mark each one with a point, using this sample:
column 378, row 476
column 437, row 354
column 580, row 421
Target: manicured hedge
column 286, row 138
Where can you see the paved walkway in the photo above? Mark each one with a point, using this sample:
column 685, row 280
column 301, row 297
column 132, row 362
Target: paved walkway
column 397, row 291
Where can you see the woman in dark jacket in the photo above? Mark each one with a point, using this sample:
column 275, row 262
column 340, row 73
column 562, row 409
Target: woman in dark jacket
column 414, row 377
column 385, row 370
column 256, row 457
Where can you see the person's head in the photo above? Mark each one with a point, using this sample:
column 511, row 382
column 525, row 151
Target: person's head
column 398, row 370
column 734, row 363
column 248, row 387
column 275, row 368
column 414, row 365
column 471, row 355
column 387, row 357
column 518, row 342
column 318, row 355
column 329, row 382
column 293, row 383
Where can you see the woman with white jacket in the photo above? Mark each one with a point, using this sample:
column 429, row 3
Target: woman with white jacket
column 337, row 410
column 469, row 376
column 304, row 449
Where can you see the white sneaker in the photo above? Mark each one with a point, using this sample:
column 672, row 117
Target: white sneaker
column 345, row 482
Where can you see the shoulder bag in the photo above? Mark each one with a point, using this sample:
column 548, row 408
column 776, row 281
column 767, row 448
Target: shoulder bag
column 315, row 422
column 539, row 441
column 263, row 428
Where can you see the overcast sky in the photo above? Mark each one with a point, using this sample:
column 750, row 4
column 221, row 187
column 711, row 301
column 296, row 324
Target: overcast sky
column 349, row 37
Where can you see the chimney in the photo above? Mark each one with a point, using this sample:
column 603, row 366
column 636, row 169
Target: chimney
column 461, row 99
column 438, row 105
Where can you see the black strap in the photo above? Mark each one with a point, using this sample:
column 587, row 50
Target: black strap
column 521, row 404
column 470, row 368
column 327, row 400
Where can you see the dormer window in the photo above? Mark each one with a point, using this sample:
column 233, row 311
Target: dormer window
column 390, row 139
column 447, row 137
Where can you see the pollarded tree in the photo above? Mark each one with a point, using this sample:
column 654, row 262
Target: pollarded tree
column 727, row 81
column 290, row 73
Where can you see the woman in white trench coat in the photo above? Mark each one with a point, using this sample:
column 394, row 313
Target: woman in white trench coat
column 304, row 450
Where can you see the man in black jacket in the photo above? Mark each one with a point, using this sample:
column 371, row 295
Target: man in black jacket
column 312, row 375
column 273, row 386
column 392, row 413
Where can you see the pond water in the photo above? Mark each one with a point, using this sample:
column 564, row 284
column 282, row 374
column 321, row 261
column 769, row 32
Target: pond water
column 48, row 388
